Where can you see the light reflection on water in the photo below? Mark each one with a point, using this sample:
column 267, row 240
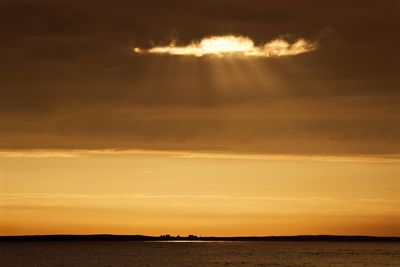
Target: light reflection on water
column 192, row 241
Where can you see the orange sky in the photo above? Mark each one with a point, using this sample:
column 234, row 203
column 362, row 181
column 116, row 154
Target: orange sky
column 212, row 117
column 153, row 193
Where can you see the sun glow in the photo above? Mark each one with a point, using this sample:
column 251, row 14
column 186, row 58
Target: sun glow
column 229, row 45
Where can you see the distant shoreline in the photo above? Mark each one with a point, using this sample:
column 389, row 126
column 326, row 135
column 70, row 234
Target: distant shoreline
column 110, row 237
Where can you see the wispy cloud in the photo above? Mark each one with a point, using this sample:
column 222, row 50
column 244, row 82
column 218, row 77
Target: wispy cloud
column 48, row 196
column 258, row 203
column 228, row 45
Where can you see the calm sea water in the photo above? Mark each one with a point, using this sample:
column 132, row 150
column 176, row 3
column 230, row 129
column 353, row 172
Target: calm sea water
column 324, row 254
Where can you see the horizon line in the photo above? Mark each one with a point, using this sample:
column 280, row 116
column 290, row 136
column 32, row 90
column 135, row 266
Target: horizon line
column 198, row 236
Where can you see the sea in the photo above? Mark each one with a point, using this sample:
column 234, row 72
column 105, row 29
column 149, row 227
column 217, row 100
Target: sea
column 199, row 253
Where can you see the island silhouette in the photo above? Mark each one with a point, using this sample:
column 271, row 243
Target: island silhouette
column 167, row 237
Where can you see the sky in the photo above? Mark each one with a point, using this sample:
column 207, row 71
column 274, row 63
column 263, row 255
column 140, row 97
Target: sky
column 209, row 117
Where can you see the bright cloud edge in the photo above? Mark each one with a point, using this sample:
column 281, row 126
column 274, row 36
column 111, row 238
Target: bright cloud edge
column 232, row 45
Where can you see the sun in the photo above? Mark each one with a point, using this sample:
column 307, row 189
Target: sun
column 226, row 45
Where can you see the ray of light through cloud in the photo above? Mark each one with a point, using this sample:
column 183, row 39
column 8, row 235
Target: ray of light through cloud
column 231, row 45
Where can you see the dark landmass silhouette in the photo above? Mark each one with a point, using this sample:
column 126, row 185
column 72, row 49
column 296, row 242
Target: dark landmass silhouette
column 110, row 237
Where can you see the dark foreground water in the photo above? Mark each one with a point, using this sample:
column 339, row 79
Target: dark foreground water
column 246, row 253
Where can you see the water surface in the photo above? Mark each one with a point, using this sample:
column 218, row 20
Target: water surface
column 131, row 253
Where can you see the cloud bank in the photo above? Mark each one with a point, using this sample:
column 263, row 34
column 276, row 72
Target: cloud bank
column 69, row 78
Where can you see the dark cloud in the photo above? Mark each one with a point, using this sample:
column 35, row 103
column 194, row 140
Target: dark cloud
column 68, row 77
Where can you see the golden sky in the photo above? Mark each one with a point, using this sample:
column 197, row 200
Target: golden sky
column 153, row 193
column 213, row 117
